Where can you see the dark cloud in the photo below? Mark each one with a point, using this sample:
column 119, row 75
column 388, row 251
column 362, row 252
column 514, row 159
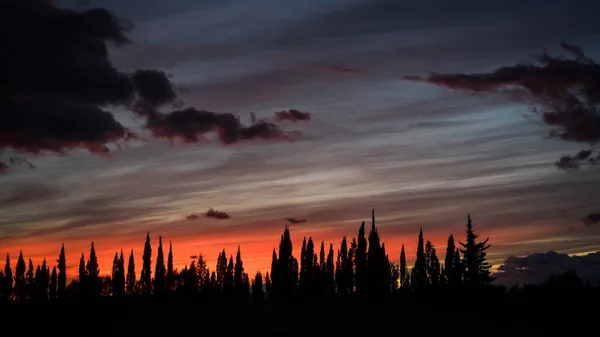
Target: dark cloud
column 213, row 213
column 537, row 268
column 193, row 257
column 29, row 193
column 191, row 126
column 344, row 70
column 192, row 217
column 295, row 221
column 57, row 77
column 565, row 92
column 292, row 116
column 591, row 219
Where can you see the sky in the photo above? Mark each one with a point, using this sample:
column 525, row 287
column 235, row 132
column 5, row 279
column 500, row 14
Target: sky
column 422, row 155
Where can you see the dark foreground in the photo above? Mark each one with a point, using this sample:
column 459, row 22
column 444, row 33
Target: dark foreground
column 481, row 315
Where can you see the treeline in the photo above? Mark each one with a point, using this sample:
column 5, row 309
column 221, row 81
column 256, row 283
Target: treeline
column 360, row 267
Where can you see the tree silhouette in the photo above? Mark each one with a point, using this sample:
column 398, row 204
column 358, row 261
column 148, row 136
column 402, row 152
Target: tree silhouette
column 82, row 272
column 62, row 273
column 240, row 289
column 221, row 269
column 404, row 274
column 20, row 284
column 258, row 293
column 341, row 277
column 30, row 289
column 284, row 270
column 93, row 284
column 190, row 279
column 146, row 274
column 330, row 272
column 169, row 278
column 131, row 279
column 477, row 269
column 52, row 290
column 449, row 267
column 204, row 281
column 267, row 285
column 360, row 257
column 228, row 280
column 42, row 280
column 160, row 270
column 433, row 264
column 118, row 275
column 419, row 271
column 6, row 288
column 377, row 264
column 458, row 269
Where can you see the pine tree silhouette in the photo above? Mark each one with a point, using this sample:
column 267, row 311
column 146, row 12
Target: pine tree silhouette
column 404, row 274
column 340, row 268
column 419, row 272
column 20, row 291
column 267, row 285
column 377, row 265
column 245, row 291
column 350, row 266
column 228, row 280
column 118, row 276
column 146, row 274
column 284, row 275
column 82, row 272
column 62, row 273
column 204, row 281
column 449, row 268
column 52, row 290
column 330, row 272
column 191, row 280
column 6, row 288
column 240, row 289
column 258, row 294
column 221, row 269
column 360, row 256
column 42, row 279
column 160, row 270
column 30, row 289
column 477, row 269
column 170, row 278
column 93, row 282
column 131, row 279
column 458, row 269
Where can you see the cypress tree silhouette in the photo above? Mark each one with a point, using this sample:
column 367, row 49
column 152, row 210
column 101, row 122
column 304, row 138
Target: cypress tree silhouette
column 204, row 281
column 52, row 290
column 377, row 267
column 6, row 288
column 246, row 291
column 62, row 273
column 93, row 282
column 258, row 294
column 240, row 289
column 160, row 270
column 191, row 280
column 42, row 279
column 131, row 279
column 82, row 272
column 228, row 280
column 146, row 274
column 350, row 266
column 404, row 274
column 341, row 279
column 330, row 272
column 302, row 281
column 458, row 269
column 20, row 284
column 434, row 268
column 419, row 271
column 170, row 278
column 308, row 282
column 118, row 275
column 267, row 285
column 221, row 269
column 30, row 289
column 394, row 276
column 360, row 256
column 285, row 274
column 477, row 269
column 449, row 267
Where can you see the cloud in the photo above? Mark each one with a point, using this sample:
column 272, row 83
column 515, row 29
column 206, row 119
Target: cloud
column 57, row 80
column 295, row 221
column 591, row 219
column 192, row 217
column 566, row 92
column 292, row 116
column 537, row 268
column 344, row 70
column 213, row 213
column 25, row 194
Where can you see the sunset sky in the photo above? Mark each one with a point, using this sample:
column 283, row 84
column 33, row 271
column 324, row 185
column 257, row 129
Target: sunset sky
column 421, row 155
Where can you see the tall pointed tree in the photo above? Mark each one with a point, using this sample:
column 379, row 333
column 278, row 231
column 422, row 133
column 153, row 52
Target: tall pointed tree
column 267, row 284
column 170, row 279
column 131, row 278
column 449, row 262
column 93, row 273
column 285, row 274
column 62, row 273
column 404, row 275
column 204, row 282
column 6, row 288
column 330, row 271
column 258, row 294
column 419, row 271
column 42, row 281
column 228, row 280
column 340, row 268
column 477, row 269
column 351, row 266
column 361, row 261
column 146, row 274
column 434, row 269
column 30, row 289
column 238, row 276
column 160, row 270
column 52, row 290
column 20, row 285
